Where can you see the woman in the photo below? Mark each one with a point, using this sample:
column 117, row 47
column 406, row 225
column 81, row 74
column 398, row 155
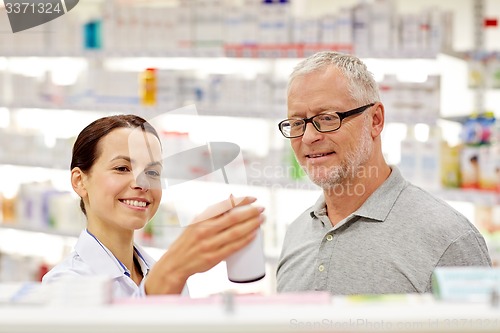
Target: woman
column 116, row 170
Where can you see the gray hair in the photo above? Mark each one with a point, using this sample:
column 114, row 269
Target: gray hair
column 362, row 86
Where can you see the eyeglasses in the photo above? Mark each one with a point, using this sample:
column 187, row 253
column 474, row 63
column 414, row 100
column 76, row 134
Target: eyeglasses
column 323, row 122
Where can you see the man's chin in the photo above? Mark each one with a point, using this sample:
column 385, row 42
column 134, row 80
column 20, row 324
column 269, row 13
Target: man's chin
column 324, row 179
column 324, row 183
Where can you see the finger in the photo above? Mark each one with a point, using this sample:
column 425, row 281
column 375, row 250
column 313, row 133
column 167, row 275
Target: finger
column 234, row 233
column 199, row 252
column 230, row 248
column 231, row 218
column 222, row 207
column 208, row 228
column 241, row 201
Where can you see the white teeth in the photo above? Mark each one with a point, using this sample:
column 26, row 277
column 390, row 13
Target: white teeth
column 135, row 203
column 317, row 155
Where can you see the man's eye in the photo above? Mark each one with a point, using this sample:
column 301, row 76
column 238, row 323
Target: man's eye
column 327, row 117
column 296, row 123
column 153, row 173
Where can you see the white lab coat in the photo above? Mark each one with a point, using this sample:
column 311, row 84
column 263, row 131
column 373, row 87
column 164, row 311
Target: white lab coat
column 91, row 257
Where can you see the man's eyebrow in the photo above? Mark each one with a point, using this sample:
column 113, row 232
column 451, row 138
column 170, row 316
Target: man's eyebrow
column 155, row 163
column 328, row 108
column 317, row 110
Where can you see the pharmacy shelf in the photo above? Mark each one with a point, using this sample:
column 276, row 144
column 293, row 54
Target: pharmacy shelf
column 271, row 112
column 458, row 195
column 271, row 254
column 479, row 197
column 231, row 51
column 412, row 119
column 260, row 314
column 271, row 51
column 34, row 162
column 35, row 229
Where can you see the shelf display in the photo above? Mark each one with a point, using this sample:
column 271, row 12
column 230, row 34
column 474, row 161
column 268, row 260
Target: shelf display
column 236, row 27
column 241, row 75
column 227, row 312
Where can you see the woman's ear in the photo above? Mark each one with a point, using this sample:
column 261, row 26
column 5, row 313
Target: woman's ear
column 78, row 182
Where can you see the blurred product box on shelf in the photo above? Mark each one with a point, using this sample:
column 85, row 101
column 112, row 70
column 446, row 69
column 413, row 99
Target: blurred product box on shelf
column 8, row 212
column 476, row 75
column 382, row 26
column 493, row 238
column 466, row 284
column 41, row 207
column 409, row 163
column 27, row 148
column 21, row 267
column 411, row 102
column 489, row 167
column 479, row 129
column 148, row 87
column 469, row 167
column 493, row 71
column 480, row 154
column 487, row 218
column 76, row 291
column 421, row 161
column 483, row 69
column 209, row 18
column 430, row 161
column 92, row 38
column 450, row 166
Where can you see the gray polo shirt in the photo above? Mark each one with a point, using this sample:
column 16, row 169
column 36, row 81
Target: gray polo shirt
column 391, row 244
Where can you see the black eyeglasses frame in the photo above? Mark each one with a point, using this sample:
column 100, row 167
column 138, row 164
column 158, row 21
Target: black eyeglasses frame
column 341, row 115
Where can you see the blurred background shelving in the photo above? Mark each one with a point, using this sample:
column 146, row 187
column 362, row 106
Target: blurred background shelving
column 229, row 61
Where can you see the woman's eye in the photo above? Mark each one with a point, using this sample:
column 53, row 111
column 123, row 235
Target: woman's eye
column 122, row 168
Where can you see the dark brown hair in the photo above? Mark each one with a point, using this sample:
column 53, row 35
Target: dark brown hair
column 85, row 149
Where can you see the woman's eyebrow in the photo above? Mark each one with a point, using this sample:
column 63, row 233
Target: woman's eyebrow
column 121, row 157
column 128, row 159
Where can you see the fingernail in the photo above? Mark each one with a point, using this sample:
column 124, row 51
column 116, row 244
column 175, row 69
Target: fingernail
column 231, row 197
column 261, row 209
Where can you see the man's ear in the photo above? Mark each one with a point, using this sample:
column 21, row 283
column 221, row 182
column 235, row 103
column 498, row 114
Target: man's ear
column 78, row 182
column 378, row 119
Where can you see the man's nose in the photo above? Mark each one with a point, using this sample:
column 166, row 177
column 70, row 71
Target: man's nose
column 311, row 134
